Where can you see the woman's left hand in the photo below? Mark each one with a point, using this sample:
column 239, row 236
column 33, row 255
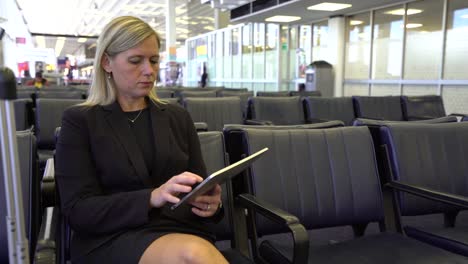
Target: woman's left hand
column 207, row 205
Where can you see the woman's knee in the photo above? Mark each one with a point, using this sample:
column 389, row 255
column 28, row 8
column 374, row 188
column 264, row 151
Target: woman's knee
column 197, row 250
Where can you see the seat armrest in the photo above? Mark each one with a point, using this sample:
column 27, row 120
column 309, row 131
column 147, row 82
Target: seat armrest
column 277, row 215
column 48, row 184
column 257, row 122
column 45, row 251
column 430, row 194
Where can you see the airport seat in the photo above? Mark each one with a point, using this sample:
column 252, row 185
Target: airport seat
column 278, row 110
column 319, row 109
column 60, row 94
column 215, row 112
column 23, row 113
column 305, row 93
column 204, row 94
column 215, row 157
column 432, row 157
column 318, row 178
column 174, row 100
column 378, row 107
column 243, row 95
column 273, row 94
column 30, row 182
column 164, row 93
column 422, row 107
column 48, row 116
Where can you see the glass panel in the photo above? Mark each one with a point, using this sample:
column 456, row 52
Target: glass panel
column 211, row 62
column 271, row 52
column 320, row 41
column 219, row 55
column 356, row 89
column 246, row 52
column 419, row 89
column 388, row 41
column 305, row 54
column 385, row 89
column 357, row 56
column 259, row 46
column 236, row 56
column 293, row 36
column 455, row 98
column 227, row 55
column 284, row 56
column 423, row 40
column 456, row 51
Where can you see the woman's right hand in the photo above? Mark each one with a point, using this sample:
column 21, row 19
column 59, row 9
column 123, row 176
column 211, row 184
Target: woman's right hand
column 169, row 191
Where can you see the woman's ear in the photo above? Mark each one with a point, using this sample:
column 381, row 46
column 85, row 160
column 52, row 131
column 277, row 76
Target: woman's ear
column 105, row 62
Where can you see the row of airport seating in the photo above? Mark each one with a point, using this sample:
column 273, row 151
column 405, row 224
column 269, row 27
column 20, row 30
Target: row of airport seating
column 293, row 110
column 318, row 177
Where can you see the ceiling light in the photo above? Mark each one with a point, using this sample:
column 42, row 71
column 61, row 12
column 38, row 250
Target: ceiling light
column 209, row 28
column 284, row 19
column 401, row 12
column 413, row 25
column 326, row 6
column 40, row 41
column 82, row 40
column 355, row 22
column 464, row 16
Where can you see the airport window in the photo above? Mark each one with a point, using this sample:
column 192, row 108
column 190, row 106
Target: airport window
column 247, row 53
column 259, row 56
column 227, row 66
column 357, row 58
column 388, row 43
column 320, row 41
column 236, row 55
column 456, row 49
column 423, row 40
column 271, row 56
column 385, row 89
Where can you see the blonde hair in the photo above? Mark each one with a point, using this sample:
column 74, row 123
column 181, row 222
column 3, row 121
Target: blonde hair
column 121, row 34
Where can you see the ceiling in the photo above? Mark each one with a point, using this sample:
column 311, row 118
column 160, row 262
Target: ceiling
column 88, row 17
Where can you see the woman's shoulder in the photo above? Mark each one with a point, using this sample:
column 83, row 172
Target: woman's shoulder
column 80, row 111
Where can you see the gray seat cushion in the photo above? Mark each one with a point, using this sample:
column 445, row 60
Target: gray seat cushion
column 216, row 112
column 279, row 110
column 378, row 107
column 331, row 108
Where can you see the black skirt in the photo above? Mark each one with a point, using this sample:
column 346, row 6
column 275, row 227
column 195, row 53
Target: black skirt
column 126, row 248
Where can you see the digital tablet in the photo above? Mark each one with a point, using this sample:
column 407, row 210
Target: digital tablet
column 220, row 176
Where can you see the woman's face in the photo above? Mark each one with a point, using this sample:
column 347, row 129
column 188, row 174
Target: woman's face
column 134, row 71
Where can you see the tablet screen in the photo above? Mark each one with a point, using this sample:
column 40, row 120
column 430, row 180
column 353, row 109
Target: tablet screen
column 220, row 177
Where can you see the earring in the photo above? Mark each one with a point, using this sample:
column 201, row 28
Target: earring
column 109, row 75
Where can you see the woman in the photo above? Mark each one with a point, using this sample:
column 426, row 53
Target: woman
column 123, row 157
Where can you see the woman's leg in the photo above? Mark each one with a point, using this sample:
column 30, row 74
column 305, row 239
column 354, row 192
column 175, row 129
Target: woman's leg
column 181, row 248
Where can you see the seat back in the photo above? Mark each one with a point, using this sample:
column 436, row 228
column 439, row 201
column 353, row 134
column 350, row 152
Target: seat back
column 331, row 108
column 378, row 107
column 432, row 156
column 243, row 95
column 216, row 112
column 164, row 93
column 23, row 113
column 48, row 116
column 305, row 93
column 60, row 94
column 273, row 94
column 30, row 190
column 325, row 177
column 279, row 110
column 422, row 107
column 214, row 155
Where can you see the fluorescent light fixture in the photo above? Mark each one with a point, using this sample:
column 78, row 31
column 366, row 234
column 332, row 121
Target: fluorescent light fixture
column 401, row 12
column 355, row 22
column 464, row 16
column 413, row 25
column 282, row 19
column 326, row 6
column 82, row 40
column 40, row 40
column 59, row 45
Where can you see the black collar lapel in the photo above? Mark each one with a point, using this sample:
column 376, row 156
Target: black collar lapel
column 117, row 120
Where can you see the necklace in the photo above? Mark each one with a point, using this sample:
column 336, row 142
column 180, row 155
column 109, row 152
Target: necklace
column 134, row 119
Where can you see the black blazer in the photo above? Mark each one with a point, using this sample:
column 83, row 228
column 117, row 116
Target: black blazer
column 103, row 181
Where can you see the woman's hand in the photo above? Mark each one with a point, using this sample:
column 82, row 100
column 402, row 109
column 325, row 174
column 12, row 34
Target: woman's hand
column 207, row 205
column 169, row 191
